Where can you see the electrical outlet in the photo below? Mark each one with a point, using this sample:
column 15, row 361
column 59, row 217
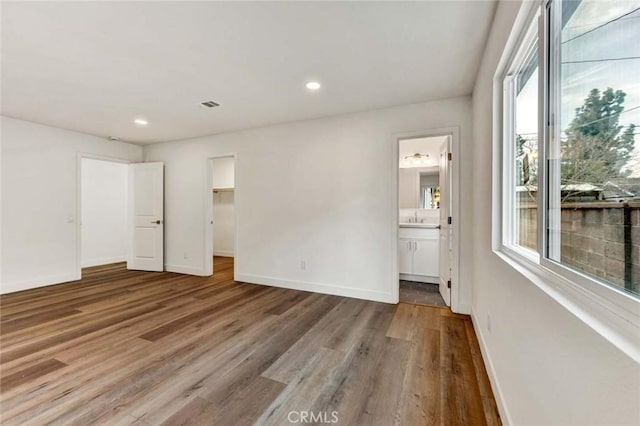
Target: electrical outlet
column 303, row 265
column 489, row 323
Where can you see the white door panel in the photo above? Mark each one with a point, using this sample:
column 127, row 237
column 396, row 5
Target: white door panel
column 145, row 242
column 445, row 227
column 146, row 217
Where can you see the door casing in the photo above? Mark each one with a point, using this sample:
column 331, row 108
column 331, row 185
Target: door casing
column 454, row 133
column 208, row 212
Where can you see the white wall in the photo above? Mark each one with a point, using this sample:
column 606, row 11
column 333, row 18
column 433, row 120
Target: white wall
column 432, row 179
column 319, row 191
column 549, row 368
column 409, row 186
column 104, row 212
column 223, row 207
column 40, row 245
column 223, row 172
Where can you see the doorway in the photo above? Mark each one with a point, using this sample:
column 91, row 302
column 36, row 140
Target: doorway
column 221, row 226
column 103, row 204
column 425, row 240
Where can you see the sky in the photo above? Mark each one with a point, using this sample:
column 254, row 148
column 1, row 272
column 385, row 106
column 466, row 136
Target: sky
column 588, row 36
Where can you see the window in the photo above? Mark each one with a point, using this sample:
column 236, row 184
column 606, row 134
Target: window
column 571, row 160
column 521, row 137
column 571, row 154
column 594, row 164
column 526, row 146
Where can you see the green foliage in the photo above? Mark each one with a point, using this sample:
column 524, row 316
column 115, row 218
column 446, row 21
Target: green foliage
column 596, row 150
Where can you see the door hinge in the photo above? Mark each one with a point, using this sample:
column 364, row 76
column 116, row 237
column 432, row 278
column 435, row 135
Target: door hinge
column 449, row 220
column 449, row 284
column 449, row 156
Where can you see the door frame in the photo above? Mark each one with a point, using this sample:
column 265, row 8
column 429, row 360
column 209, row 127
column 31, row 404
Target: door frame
column 79, row 157
column 454, row 133
column 445, row 163
column 208, row 212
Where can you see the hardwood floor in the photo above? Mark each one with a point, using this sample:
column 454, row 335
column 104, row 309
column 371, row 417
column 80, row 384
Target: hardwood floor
column 126, row 347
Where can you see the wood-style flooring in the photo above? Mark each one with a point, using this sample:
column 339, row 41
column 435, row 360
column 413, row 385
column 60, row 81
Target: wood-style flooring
column 420, row 293
column 125, row 347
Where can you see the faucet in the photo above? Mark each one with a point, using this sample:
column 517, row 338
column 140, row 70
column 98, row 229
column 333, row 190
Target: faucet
column 413, row 219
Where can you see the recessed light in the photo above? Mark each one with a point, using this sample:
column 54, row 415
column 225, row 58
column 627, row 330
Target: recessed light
column 141, row 121
column 313, row 85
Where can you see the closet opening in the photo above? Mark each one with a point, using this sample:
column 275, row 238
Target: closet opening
column 222, row 217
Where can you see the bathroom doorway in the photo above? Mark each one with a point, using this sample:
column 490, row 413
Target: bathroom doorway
column 425, row 234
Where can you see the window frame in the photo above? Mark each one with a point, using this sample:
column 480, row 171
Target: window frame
column 509, row 230
column 611, row 312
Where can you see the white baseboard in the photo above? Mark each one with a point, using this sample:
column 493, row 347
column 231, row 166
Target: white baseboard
column 187, row 270
column 462, row 308
column 223, row 253
column 12, row 287
column 419, row 278
column 357, row 293
column 103, row 261
column 493, row 379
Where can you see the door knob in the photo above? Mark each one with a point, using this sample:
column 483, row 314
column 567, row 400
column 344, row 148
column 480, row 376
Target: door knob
column 157, row 222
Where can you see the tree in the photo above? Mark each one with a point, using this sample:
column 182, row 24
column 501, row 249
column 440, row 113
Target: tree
column 596, row 150
column 526, row 151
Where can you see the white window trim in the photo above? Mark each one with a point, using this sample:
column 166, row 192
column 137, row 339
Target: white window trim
column 516, row 63
column 612, row 313
column 508, row 177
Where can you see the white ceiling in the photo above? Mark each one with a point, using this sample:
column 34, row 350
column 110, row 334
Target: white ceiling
column 430, row 146
column 95, row 66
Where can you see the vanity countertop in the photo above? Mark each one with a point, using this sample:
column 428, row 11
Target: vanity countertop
column 420, row 225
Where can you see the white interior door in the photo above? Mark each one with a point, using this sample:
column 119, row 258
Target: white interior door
column 146, row 217
column 445, row 227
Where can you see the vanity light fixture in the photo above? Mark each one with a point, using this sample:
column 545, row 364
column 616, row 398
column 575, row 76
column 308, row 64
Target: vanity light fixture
column 416, row 159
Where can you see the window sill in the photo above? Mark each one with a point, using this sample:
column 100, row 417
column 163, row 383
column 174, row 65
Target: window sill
column 615, row 317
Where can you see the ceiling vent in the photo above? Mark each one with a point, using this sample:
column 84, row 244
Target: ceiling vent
column 209, row 104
